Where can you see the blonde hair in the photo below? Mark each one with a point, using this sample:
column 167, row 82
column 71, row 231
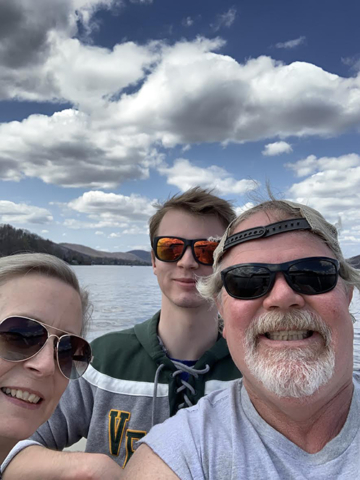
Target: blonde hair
column 49, row 266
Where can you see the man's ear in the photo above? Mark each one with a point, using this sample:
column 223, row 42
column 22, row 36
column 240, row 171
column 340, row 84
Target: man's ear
column 153, row 262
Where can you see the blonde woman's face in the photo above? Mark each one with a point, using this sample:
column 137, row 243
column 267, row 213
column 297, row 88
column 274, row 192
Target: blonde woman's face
column 30, row 390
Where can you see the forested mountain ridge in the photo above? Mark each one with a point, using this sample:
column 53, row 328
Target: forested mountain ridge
column 133, row 255
column 16, row 240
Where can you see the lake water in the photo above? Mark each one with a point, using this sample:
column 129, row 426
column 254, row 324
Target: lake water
column 124, row 295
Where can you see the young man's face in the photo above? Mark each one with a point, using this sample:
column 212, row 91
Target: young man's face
column 177, row 279
column 321, row 332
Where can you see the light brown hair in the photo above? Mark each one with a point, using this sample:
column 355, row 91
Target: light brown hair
column 196, row 201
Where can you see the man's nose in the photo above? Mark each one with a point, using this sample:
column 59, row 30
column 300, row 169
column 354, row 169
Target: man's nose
column 282, row 296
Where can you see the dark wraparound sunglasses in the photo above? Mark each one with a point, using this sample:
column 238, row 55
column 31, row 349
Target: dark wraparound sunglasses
column 171, row 249
column 308, row 276
column 22, row 338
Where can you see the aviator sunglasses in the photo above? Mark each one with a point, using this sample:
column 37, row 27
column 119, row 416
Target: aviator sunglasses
column 308, row 276
column 22, row 338
column 171, row 249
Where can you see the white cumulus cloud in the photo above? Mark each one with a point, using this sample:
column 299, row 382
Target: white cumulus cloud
column 332, row 186
column 184, row 175
column 21, row 213
column 182, row 94
column 243, row 208
column 69, row 149
column 276, row 148
column 209, row 97
column 312, row 164
column 34, row 46
column 111, row 207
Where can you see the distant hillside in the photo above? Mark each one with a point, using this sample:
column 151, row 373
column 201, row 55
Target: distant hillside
column 143, row 254
column 126, row 257
column 16, row 240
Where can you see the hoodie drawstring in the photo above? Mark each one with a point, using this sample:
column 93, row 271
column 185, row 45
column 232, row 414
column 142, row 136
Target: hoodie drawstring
column 156, row 381
column 184, row 384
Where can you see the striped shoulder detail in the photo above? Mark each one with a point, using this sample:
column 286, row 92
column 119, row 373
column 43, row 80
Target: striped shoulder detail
column 212, row 385
column 124, row 387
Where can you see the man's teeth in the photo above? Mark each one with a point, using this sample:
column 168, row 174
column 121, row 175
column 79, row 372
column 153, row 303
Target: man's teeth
column 288, row 335
column 22, row 395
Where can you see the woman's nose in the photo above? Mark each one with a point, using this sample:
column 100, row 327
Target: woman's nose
column 44, row 362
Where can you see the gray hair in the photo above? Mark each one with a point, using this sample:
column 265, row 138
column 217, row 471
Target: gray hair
column 210, row 287
column 49, row 266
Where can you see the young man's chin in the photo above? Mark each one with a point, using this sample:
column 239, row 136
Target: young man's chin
column 188, row 301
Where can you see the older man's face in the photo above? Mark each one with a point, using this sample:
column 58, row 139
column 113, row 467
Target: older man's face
column 265, row 335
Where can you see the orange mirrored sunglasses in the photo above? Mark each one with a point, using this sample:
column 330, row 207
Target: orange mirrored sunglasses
column 171, row 249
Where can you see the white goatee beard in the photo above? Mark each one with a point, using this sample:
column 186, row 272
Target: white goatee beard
column 291, row 372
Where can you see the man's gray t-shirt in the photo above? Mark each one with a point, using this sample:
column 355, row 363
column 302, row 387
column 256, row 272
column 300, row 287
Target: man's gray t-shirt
column 223, row 437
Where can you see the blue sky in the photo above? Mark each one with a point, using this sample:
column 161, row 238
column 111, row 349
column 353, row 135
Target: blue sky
column 109, row 106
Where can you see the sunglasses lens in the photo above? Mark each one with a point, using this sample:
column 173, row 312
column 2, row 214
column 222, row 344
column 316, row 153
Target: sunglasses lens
column 248, row 281
column 312, row 277
column 74, row 354
column 21, row 338
column 169, row 249
column 204, row 251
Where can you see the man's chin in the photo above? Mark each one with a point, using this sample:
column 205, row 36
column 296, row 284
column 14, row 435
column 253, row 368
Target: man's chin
column 295, row 352
column 292, row 374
